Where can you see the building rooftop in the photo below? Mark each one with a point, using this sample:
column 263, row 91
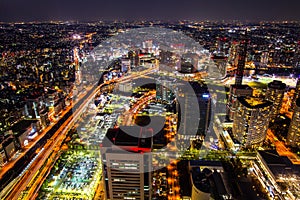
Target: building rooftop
column 194, row 163
column 276, row 84
column 278, row 164
column 21, row 126
column 241, row 87
column 127, row 137
column 209, row 181
column 254, row 102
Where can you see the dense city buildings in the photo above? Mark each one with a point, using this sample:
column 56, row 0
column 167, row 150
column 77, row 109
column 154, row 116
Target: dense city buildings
column 165, row 90
column 70, row 90
column 296, row 95
column 274, row 93
column 293, row 135
column 251, row 121
column 277, row 174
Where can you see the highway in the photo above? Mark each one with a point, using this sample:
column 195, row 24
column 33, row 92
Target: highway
column 29, row 184
column 37, row 172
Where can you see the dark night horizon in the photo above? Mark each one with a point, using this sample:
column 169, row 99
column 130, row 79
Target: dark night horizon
column 36, row 10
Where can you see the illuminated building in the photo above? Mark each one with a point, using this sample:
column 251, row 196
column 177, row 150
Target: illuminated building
column 44, row 117
column 127, row 163
column 296, row 60
column 233, row 53
column 2, row 156
column 251, row 121
column 242, row 53
column 187, row 67
column 275, row 93
column 264, row 59
column 274, row 172
column 221, row 62
column 296, row 94
column 125, row 87
column 220, row 56
column 125, row 64
column 165, row 90
column 147, row 46
column 33, row 106
column 293, row 137
column 189, row 63
column 134, row 58
column 235, row 92
column 9, row 148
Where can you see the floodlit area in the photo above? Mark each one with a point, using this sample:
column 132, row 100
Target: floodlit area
column 76, row 175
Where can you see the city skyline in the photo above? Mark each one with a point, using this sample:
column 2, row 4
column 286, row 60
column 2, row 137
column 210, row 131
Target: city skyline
column 33, row 10
column 120, row 110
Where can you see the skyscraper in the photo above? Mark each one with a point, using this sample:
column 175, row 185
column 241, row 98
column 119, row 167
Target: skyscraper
column 275, row 93
column 293, row 137
column 236, row 91
column 165, row 90
column 251, row 121
column 127, row 163
column 194, row 112
column 242, row 53
column 296, row 95
column 296, row 60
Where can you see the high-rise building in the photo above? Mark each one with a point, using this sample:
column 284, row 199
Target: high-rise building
column 242, row 53
column 233, row 53
column 33, row 106
column 235, row 92
column 293, row 137
column 127, row 163
column 220, row 55
column 251, row 121
column 165, row 90
column 296, row 60
column 194, row 112
column 275, row 93
column 296, row 94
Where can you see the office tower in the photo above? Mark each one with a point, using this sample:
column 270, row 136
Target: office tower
column 147, row 46
column 194, row 112
column 190, row 61
column 127, row 163
column 293, row 137
column 34, row 104
column 125, row 64
column 221, row 63
column 242, row 53
column 133, row 56
column 235, row 92
column 296, row 60
column 165, row 89
column 233, row 53
column 220, row 56
column 251, row 121
column 296, row 95
column 264, row 59
column 275, row 93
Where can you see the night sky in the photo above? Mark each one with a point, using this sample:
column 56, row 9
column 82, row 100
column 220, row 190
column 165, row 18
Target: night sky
column 85, row 10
